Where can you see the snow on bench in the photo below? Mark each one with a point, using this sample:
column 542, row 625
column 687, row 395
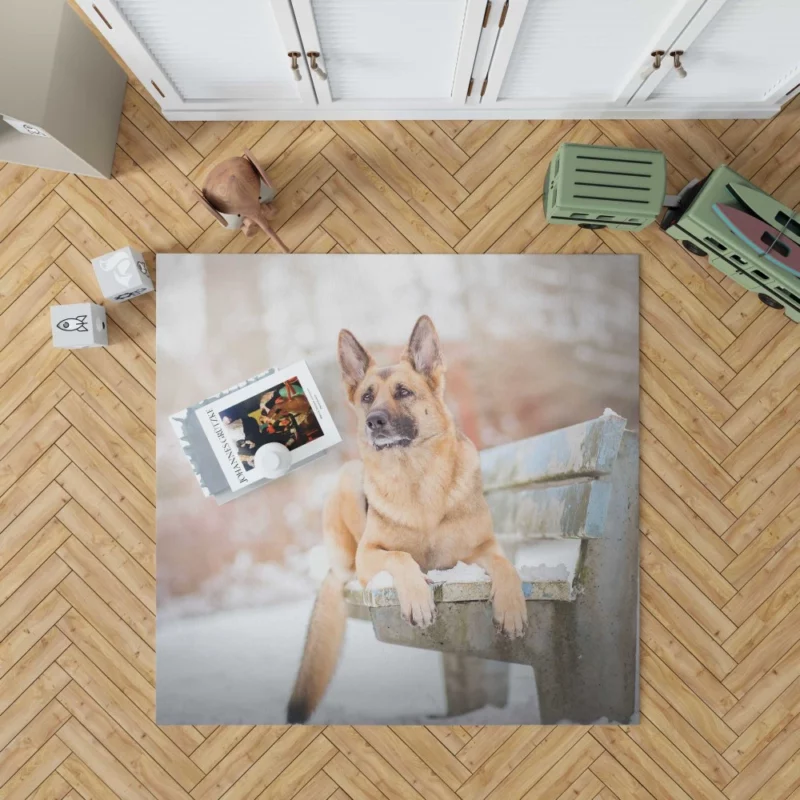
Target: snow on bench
column 546, row 494
column 547, row 569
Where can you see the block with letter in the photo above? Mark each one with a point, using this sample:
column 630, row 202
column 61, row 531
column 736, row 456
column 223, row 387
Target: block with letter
column 122, row 274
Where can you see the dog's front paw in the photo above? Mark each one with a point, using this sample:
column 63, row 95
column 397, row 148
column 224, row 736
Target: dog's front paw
column 416, row 601
column 510, row 613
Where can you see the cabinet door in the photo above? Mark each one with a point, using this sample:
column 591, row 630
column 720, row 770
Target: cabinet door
column 576, row 54
column 208, row 54
column 390, row 53
column 736, row 51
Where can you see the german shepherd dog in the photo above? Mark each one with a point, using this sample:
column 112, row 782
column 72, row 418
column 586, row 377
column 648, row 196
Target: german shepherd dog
column 414, row 502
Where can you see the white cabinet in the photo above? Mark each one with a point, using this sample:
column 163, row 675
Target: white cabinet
column 405, row 53
column 552, row 52
column 208, row 55
column 338, row 59
column 738, row 51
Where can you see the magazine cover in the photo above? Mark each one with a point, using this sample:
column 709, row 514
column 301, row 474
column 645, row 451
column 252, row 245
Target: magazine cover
column 284, row 407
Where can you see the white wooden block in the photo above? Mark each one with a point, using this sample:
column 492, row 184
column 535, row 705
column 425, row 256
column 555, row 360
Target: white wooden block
column 122, row 274
column 78, row 325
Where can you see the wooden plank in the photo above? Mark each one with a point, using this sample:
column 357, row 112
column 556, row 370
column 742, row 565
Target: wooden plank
column 293, row 153
column 209, row 135
column 31, row 593
column 31, row 738
column 128, row 462
column 86, row 385
column 97, row 468
column 30, row 230
column 684, row 375
column 688, row 704
column 681, row 553
column 685, row 521
column 109, row 625
column 358, row 224
column 476, row 133
column 97, row 758
column 660, row 716
column 356, row 785
column 163, row 172
column 765, row 618
column 30, row 630
column 158, row 203
column 26, row 198
column 537, row 149
column 493, row 152
column 403, row 215
column 31, row 666
column 685, row 665
column 37, row 769
column 693, row 488
column 119, row 599
column 691, row 635
column 26, row 527
column 160, row 132
column 437, row 143
column 128, row 553
column 502, row 763
column 679, row 443
column 97, row 215
column 237, row 762
column 427, row 169
column 12, row 176
column 30, row 267
column 683, row 411
column 372, row 764
column 129, row 717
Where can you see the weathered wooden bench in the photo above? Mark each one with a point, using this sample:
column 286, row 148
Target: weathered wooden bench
column 578, row 485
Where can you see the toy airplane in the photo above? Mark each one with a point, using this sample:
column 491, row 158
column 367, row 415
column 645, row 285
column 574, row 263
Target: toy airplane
column 763, row 238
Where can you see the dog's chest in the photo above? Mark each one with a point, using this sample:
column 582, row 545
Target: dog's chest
column 435, row 540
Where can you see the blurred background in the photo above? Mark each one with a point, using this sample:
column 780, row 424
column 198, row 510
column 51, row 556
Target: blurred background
column 531, row 343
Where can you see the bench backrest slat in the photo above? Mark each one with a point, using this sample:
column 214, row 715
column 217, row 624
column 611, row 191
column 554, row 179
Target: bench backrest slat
column 555, row 485
column 580, row 451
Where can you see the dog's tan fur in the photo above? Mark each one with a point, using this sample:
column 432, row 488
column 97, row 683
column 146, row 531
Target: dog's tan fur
column 407, row 506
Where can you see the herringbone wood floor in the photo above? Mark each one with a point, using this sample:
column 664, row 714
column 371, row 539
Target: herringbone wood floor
column 720, row 491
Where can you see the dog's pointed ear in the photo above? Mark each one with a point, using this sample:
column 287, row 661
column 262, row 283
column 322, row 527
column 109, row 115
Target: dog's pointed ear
column 354, row 361
column 424, row 352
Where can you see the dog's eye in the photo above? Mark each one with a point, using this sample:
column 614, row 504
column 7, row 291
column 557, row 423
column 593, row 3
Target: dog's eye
column 401, row 392
column 367, row 397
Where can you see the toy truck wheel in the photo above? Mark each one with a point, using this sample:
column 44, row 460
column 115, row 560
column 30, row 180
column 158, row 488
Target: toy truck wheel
column 592, row 226
column 693, row 248
column 770, row 301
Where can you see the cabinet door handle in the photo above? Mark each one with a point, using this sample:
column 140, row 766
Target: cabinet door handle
column 676, row 60
column 658, row 56
column 295, row 66
column 321, row 74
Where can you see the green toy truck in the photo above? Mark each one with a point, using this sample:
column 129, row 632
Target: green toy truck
column 613, row 187
column 605, row 187
column 702, row 232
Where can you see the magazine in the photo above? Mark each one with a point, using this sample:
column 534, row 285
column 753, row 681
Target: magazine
column 221, row 435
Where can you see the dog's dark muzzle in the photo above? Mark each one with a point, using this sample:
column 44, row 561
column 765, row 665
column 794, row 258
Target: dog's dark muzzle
column 385, row 430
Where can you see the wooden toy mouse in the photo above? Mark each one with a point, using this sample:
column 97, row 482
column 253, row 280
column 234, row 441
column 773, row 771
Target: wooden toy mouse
column 232, row 192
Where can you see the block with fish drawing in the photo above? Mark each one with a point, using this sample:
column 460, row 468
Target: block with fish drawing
column 78, row 325
column 122, row 275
